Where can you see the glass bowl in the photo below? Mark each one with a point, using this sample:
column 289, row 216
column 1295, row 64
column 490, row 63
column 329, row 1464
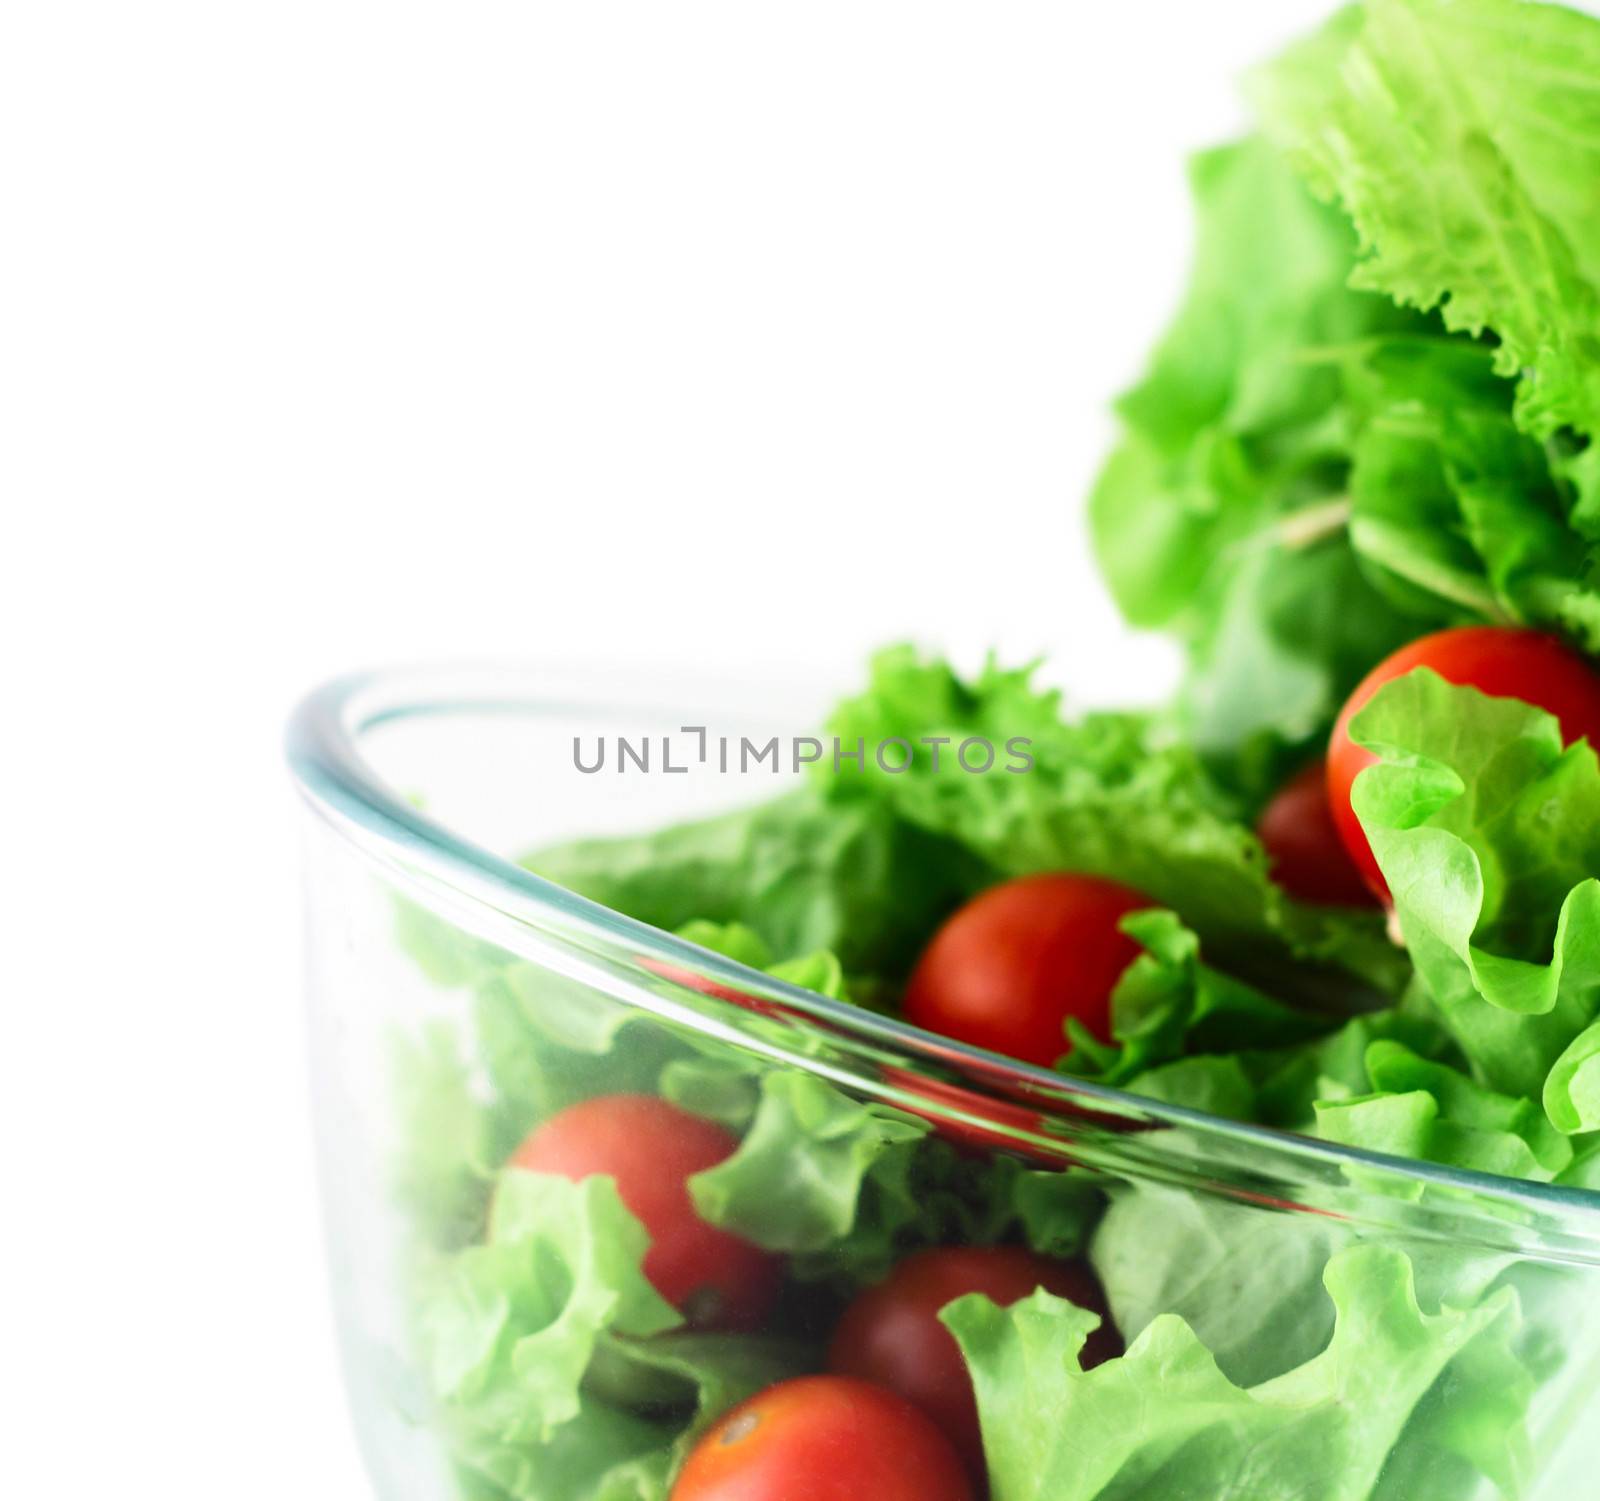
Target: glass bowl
column 1302, row 1320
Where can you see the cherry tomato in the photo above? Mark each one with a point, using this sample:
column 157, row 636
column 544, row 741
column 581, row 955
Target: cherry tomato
column 891, row 1333
column 1500, row 661
column 823, row 1438
column 1306, row 851
column 651, row 1148
column 1008, row 969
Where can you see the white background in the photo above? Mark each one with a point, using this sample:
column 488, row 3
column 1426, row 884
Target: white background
column 333, row 334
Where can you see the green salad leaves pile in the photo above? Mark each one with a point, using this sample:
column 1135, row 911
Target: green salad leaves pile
column 1376, row 414
column 556, row 1372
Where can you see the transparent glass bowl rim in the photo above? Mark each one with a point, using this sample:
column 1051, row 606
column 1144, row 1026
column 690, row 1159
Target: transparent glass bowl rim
column 323, row 746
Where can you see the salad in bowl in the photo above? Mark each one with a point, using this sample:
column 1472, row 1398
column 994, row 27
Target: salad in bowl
column 938, row 1094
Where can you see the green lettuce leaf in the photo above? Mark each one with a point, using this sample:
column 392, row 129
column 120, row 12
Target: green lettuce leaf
column 701, row 1374
column 1164, row 1420
column 1373, row 414
column 1431, row 1112
column 805, row 872
column 558, row 1372
column 1221, row 517
column 1168, row 1003
column 1488, row 833
column 1458, row 135
column 1452, row 504
column 1292, row 1082
column 796, row 1180
column 844, row 1187
column 508, row 1328
column 1247, row 1282
column 1572, row 1088
column 603, row 1454
column 1217, row 1084
column 820, row 971
column 1584, row 1169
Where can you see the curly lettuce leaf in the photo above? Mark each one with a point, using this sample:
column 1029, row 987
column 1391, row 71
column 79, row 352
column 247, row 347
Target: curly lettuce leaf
column 558, row 1371
column 820, row 971
column 1217, row 1084
column 1452, row 505
column 911, row 1200
column 1375, row 413
column 1168, row 1003
column 1230, row 424
column 1459, row 137
column 1488, row 833
column 1300, row 623
column 805, row 872
column 508, row 1328
column 1164, row 1419
column 1431, row 1112
column 1572, row 1087
column 1292, row 1082
column 702, row 1375
column 1584, row 1169
column 1248, row 1283
column 1220, row 517
column 602, row 1455
column 845, row 1187
column 796, row 1181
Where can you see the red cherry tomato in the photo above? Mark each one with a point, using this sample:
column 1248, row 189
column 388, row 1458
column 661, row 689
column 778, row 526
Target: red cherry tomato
column 823, row 1438
column 1304, row 846
column 1008, row 969
column 651, row 1148
column 1500, row 661
column 891, row 1333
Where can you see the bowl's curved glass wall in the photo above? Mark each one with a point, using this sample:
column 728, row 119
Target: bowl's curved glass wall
column 1303, row 1322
